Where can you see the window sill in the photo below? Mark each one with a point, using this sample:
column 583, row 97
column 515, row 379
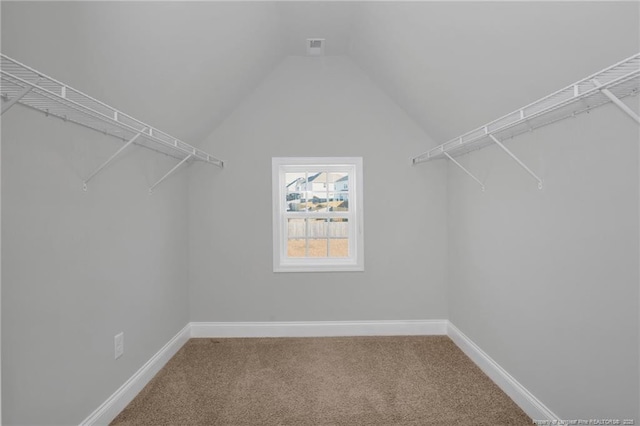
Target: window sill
column 318, row 268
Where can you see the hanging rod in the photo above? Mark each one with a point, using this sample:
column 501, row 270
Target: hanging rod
column 26, row 86
column 609, row 85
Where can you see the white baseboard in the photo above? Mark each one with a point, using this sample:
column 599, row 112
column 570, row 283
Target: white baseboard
column 319, row 328
column 518, row 393
column 108, row 411
column 123, row 396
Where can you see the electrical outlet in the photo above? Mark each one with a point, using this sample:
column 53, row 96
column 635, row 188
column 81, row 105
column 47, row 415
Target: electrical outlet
column 119, row 344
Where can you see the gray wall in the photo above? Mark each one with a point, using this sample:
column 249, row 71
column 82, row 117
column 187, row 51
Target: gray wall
column 317, row 107
column 79, row 267
column 546, row 281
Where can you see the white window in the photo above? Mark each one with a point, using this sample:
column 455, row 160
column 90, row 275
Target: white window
column 317, row 214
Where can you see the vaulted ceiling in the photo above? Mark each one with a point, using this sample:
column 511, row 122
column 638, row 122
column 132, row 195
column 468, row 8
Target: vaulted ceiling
column 451, row 66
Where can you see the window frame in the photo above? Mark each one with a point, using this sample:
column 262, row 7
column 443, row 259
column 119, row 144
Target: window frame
column 281, row 261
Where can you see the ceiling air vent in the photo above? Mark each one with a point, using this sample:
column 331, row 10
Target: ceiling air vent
column 315, row 46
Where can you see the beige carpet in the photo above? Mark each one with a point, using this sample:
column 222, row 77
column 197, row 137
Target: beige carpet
column 322, row 381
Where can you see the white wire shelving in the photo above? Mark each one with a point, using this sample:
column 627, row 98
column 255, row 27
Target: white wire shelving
column 609, row 85
column 26, row 86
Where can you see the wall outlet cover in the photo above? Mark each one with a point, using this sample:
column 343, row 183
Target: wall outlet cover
column 119, row 345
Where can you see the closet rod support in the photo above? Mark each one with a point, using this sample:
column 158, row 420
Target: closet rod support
column 613, row 98
column 524, row 166
column 11, row 102
column 446, row 154
column 169, row 173
column 106, row 163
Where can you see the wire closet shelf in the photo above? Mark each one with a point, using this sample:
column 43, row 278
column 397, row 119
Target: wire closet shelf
column 31, row 88
column 609, row 85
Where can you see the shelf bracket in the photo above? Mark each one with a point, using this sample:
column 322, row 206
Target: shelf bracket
column 613, row 98
column 446, row 154
column 524, row 166
column 11, row 102
column 169, row 173
column 106, row 163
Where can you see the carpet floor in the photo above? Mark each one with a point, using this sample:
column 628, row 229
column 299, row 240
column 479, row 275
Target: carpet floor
column 425, row 380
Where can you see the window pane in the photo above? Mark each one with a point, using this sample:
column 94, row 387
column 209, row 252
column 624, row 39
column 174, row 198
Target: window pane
column 317, row 228
column 318, row 202
column 294, row 182
column 294, row 202
column 305, row 204
column 338, row 182
column 318, row 247
column 317, row 181
column 295, row 206
column 294, row 190
column 338, row 228
column 338, row 201
column 296, row 248
column 339, row 247
column 296, row 228
column 338, row 238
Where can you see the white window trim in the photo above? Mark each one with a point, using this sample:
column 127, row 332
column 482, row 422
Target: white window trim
column 282, row 263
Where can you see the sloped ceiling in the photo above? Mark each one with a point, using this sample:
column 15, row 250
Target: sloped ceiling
column 179, row 66
column 451, row 66
column 454, row 66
